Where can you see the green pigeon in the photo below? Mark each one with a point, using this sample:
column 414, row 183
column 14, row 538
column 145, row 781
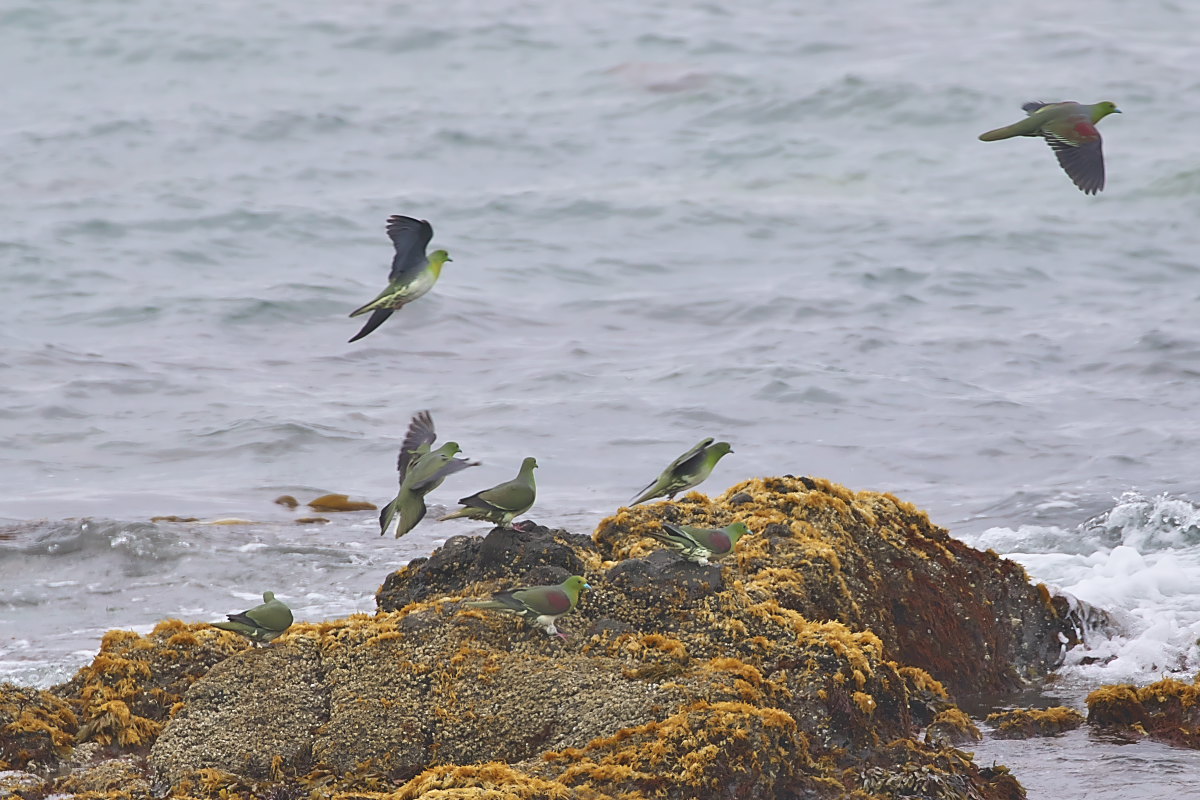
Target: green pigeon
column 421, row 471
column 413, row 273
column 537, row 605
column 501, row 503
column 262, row 623
column 699, row 544
column 1070, row 130
column 685, row 472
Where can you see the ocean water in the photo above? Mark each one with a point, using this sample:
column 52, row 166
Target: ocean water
column 761, row 221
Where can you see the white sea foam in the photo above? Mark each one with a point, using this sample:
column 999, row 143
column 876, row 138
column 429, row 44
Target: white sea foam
column 1140, row 561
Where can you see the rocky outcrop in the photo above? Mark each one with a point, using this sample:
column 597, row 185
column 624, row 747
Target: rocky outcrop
column 1026, row 723
column 1166, row 711
column 800, row 666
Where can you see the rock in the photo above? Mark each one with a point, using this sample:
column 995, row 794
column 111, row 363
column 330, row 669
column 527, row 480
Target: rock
column 1026, row 723
column 36, row 727
column 221, row 723
column 875, row 562
column 288, row 501
column 339, row 502
column 310, row 520
column 763, row 676
column 1166, row 711
column 535, row 555
column 174, row 518
column 17, row 784
column 951, row 728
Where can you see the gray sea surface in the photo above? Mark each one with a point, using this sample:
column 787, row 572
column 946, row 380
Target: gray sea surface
column 769, row 222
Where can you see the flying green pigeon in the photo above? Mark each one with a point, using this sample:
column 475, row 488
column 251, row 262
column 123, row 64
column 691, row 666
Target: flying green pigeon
column 421, row 471
column 413, row 274
column 537, row 605
column 262, row 623
column 685, row 472
column 699, row 544
column 500, row 504
column 1070, row 130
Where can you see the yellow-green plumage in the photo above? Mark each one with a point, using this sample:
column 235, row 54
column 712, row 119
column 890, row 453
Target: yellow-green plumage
column 413, row 273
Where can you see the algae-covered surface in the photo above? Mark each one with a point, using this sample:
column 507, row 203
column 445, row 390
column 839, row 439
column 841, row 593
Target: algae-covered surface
column 805, row 664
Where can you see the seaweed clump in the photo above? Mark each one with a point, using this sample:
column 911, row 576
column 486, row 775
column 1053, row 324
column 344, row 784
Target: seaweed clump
column 1166, row 711
column 1026, row 723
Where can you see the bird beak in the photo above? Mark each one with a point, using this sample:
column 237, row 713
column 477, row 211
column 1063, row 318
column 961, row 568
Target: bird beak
column 1116, row 111
column 448, row 258
column 587, row 586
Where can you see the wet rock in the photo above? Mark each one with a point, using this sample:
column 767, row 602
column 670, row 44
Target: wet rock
column 288, row 501
column 339, row 502
column 1166, row 711
column 174, row 518
column 951, row 728
column 1026, row 723
column 875, row 562
column 311, row 520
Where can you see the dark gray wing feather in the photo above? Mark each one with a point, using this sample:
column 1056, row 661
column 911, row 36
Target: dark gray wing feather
column 420, row 432
column 1083, row 163
column 690, row 461
column 410, row 238
column 449, row 468
column 374, row 321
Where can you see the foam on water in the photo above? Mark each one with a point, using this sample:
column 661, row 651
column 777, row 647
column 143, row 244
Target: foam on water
column 1139, row 561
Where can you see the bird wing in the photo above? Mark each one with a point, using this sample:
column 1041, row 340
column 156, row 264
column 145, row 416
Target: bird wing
column 420, row 435
column 410, row 238
column 689, row 463
column 683, row 535
column 1076, row 142
column 274, row 616
column 544, row 599
column 509, row 496
column 1084, row 164
column 440, row 474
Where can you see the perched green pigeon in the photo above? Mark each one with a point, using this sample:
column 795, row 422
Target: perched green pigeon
column 699, row 544
column 537, row 605
column 500, row 504
column 262, row 623
column 685, row 472
column 421, row 471
column 413, row 274
column 1070, row 130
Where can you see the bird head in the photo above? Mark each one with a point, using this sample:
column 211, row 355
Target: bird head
column 268, row 597
column 1103, row 109
column 529, row 463
column 574, row 584
column 439, row 257
column 721, row 448
column 737, row 530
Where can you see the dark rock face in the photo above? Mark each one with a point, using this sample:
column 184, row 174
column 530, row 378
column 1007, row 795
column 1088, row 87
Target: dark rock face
column 873, row 562
column 532, row 556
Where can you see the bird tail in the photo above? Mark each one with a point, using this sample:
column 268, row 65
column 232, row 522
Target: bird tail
column 1026, row 127
column 387, row 514
column 236, row 627
column 373, row 322
column 462, row 512
column 488, row 604
column 412, row 511
column 647, row 492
